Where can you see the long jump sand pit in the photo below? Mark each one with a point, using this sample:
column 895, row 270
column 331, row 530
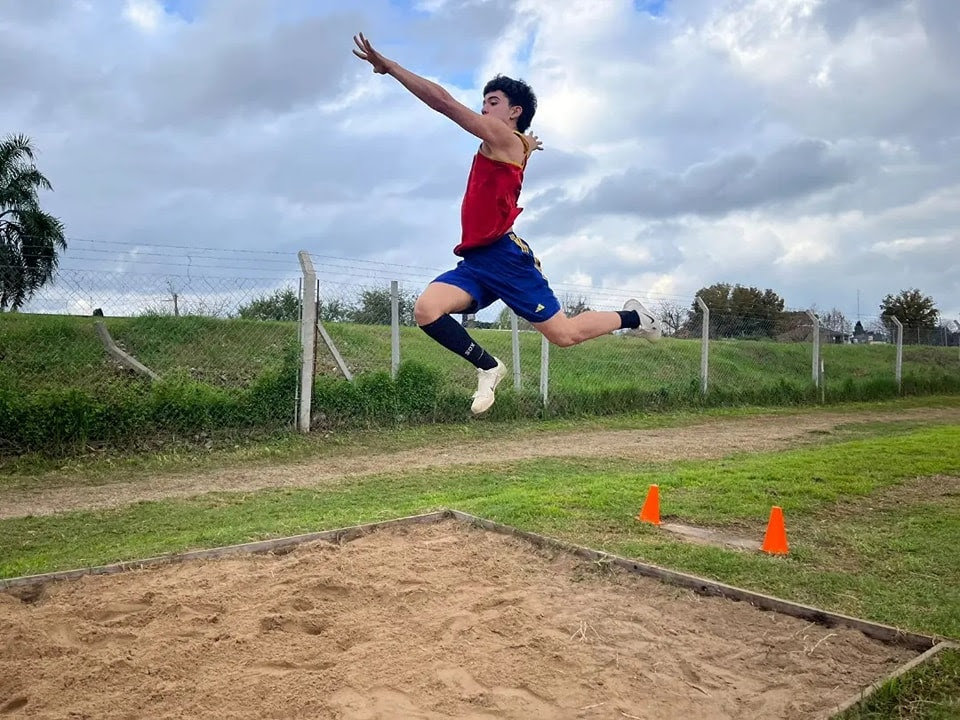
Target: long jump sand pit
column 437, row 620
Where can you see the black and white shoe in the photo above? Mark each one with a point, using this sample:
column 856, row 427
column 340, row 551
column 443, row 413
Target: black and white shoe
column 649, row 325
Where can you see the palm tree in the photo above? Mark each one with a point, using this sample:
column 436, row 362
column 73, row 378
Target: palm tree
column 29, row 238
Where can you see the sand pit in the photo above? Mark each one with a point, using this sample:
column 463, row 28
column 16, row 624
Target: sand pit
column 417, row 621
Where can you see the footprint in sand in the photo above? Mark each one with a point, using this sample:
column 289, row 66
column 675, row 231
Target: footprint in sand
column 305, row 625
column 116, row 611
column 65, row 636
column 13, row 705
column 382, row 703
column 510, row 702
column 285, row 667
column 461, row 681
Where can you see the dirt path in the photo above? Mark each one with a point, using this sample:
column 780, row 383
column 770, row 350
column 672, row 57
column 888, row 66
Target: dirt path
column 712, row 439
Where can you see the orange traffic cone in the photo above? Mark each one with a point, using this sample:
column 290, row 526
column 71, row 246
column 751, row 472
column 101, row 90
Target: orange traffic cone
column 650, row 512
column 775, row 540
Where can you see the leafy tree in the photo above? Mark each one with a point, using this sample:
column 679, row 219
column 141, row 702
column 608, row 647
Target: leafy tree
column 30, row 239
column 737, row 311
column 717, row 298
column 374, row 308
column 754, row 313
column 333, row 311
column 285, row 305
column 910, row 307
column 281, row 305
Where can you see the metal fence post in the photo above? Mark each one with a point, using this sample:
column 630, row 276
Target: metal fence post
column 544, row 368
column 704, row 346
column 898, row 371
column 515, row 341
column 308, row 339
column 816, row 347
column 394, row 327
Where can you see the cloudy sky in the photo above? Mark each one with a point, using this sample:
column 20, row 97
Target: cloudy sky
column 809, row 146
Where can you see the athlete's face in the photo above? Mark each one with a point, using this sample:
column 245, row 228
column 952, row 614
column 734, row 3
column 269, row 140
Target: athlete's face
column 495, row 103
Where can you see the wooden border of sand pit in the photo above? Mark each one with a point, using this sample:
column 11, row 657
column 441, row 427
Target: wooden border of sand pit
column 928, row 646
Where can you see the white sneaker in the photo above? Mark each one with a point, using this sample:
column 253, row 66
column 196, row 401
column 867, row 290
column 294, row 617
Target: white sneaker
column 649, row 325
column 487, row 381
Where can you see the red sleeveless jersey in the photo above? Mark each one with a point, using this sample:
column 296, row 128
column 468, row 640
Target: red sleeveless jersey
column 490, row 202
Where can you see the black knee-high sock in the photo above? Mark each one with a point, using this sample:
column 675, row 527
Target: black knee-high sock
column 454, row 337
column 629, row 319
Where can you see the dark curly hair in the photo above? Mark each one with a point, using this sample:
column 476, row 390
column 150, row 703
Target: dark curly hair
column 517, row 92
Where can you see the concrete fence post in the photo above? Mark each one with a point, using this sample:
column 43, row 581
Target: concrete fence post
column 394, row 328
column 704, row 346
column 898, row 367
column 515, row 344
column 308, row 339
column 816, row 347
column 544, row 368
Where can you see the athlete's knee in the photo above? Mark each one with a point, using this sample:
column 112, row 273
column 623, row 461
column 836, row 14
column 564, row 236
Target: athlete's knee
column 427, row 310
column 563, row 333
column 423, row 312
column 566, row 339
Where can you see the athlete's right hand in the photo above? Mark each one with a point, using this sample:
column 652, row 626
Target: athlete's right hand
column 535, row 142
column 366, row 52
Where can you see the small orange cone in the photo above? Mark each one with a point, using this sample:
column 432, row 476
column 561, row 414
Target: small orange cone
column 775, row 540
column 650, row 513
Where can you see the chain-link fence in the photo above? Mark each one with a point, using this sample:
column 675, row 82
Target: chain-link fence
column 154, row 344
column 151, row 345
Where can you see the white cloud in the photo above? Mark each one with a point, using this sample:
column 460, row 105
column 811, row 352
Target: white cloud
column 144, row 14
column 808, row 146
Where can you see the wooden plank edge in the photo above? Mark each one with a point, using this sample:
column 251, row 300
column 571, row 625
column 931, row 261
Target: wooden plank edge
column 868, row 691
column 339, row 535
column 703, row 586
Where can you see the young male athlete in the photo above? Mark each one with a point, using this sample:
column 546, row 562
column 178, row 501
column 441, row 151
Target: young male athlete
column 496, row 263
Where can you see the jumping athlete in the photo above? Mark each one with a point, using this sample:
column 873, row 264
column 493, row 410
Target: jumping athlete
column 496, row 263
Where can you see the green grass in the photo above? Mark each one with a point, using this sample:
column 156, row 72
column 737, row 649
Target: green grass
column 872, row 533
column 52, row 351
column 121, row 464
column 224, row 379
column 839, row 559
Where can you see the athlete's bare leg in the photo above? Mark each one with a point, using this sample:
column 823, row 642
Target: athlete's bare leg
column 566, row 331
column 440, row 299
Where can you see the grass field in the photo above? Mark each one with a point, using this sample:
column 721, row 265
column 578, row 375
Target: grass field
column 52, row 351
column 873, row 516
column 223, row 378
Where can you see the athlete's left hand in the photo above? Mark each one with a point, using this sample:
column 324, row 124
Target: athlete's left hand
column 535, row 142
column 366, row 52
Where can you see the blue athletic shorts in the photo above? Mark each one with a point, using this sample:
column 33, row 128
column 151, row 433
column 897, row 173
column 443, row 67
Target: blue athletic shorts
column 506, row 270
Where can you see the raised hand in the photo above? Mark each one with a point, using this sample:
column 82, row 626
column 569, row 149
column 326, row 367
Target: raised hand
column 535, row 142
column 365, row 51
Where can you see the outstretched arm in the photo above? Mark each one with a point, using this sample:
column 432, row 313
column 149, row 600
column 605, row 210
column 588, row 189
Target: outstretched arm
column 491, row 130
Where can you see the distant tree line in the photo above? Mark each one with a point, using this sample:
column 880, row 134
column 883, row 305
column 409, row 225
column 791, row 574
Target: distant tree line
column 372, row 307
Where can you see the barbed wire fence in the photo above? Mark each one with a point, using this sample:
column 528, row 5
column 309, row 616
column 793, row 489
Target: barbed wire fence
column 147, row 341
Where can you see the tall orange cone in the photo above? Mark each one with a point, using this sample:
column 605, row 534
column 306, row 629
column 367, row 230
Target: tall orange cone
column 650, row 512
column 775, row 540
